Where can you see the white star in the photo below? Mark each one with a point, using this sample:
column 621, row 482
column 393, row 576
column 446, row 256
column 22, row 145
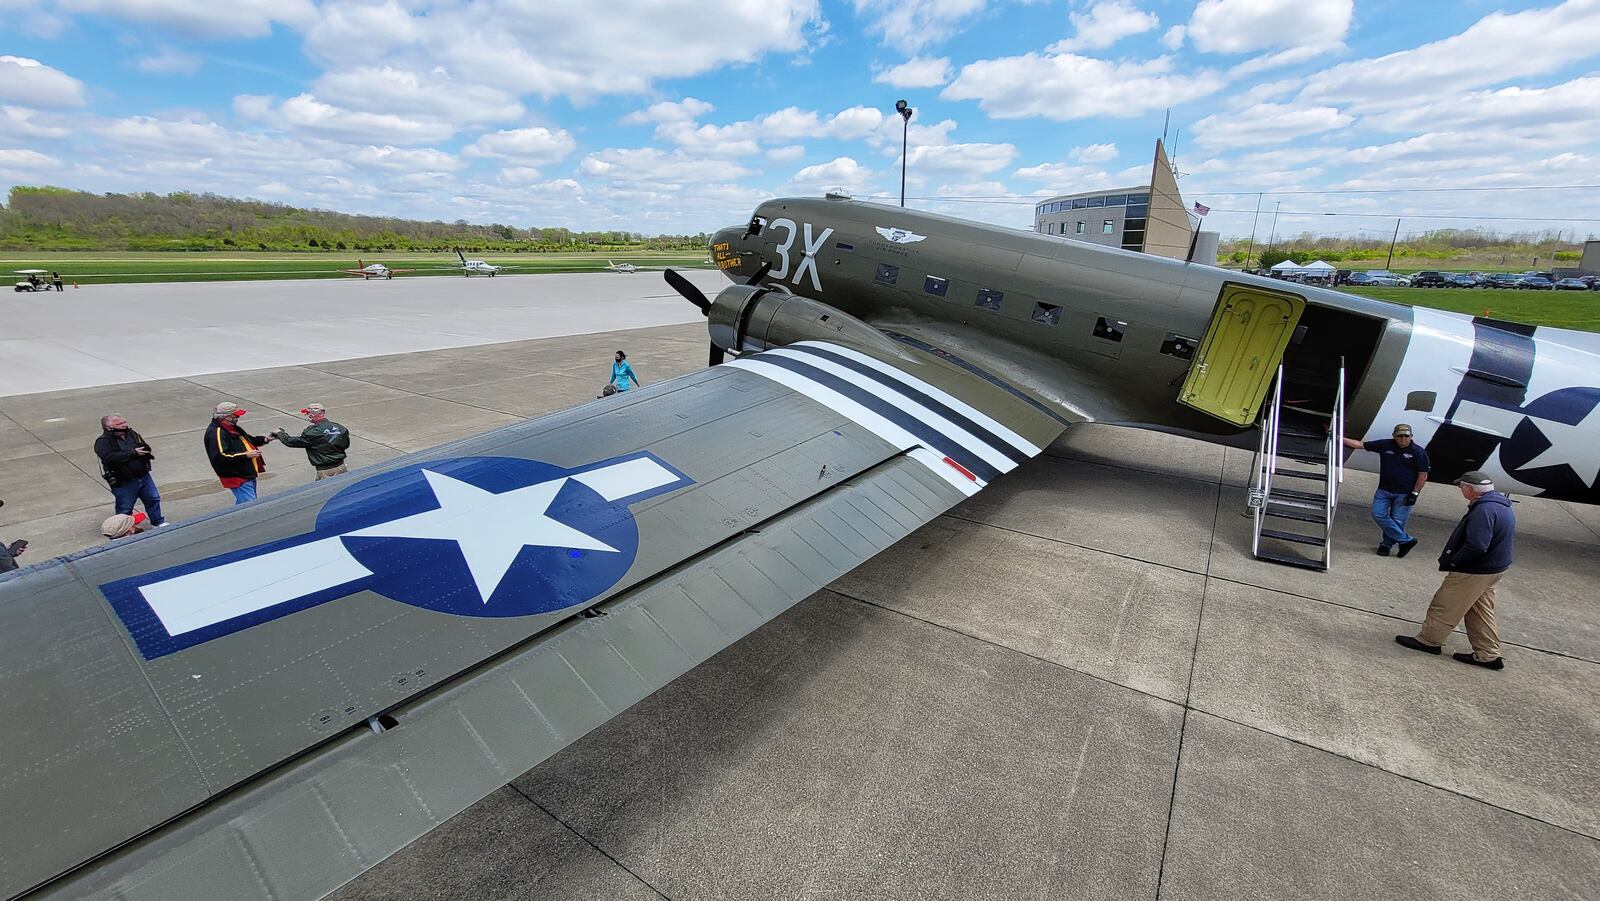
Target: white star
column 1572, row 445
column 491, row 529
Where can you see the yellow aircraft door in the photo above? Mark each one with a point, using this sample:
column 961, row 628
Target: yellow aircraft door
column 1239, row 355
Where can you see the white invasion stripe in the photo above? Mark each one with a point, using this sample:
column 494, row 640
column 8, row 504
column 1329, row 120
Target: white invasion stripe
column 626, row 479
column 859, row 414
column 909, row 404
column 214, row 595
column 949, row 400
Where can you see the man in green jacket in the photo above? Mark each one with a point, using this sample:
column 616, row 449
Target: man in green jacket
column 325, row 442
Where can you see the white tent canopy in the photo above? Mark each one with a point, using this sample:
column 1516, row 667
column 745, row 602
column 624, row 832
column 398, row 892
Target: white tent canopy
column 1288, row 267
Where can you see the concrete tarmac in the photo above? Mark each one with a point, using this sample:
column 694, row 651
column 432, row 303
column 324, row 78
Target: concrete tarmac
column 112, row 334
column 1078, row 684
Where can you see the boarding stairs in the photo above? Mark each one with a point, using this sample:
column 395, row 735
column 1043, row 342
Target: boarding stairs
column 1294, row 492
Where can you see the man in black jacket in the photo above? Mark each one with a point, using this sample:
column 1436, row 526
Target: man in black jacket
column 235, row 454
column 125, row 459
column 1474, row 558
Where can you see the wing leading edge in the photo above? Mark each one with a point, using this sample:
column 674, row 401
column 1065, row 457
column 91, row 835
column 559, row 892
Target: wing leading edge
column 231, row 742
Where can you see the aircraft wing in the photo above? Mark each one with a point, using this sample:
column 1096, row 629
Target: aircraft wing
column 267, row 701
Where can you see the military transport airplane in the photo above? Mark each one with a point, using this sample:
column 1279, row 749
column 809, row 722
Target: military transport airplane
column 374, row 270
column 476, row 267
column 266, row 701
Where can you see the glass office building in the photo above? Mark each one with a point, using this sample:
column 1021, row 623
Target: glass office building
column 1114, row 218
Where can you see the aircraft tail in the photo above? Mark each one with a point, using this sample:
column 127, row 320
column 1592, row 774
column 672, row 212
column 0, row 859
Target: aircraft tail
column 462, row 256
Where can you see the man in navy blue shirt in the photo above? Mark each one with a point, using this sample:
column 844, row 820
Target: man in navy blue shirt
column 1474, row 558
column 1402, row 471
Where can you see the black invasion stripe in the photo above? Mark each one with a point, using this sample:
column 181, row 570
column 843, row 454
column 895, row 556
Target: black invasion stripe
column 931, row 436
column 984, row 374
column 888, row 381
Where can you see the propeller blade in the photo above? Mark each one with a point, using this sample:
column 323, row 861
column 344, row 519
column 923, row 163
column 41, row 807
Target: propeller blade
column 760, row 274
column 688, row 290
column 717, row 355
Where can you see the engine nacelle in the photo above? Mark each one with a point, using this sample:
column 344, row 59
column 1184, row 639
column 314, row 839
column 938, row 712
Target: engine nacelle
column 756, row 317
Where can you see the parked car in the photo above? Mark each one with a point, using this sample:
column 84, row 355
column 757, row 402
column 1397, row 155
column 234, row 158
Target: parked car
column 1388, row 279
column 1431, row 279
column 1361, row 280
column 1536, row 283
column 1503, row 280
column 1571, row 284
column 1459, row 280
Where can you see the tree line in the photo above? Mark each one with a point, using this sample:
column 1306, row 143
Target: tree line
column 1438, row 244
column 51, row 218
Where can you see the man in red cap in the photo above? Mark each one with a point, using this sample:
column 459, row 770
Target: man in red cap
column 235, row 454
column 325, row 442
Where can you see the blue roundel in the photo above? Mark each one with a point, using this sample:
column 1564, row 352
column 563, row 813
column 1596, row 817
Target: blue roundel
column 484, row 536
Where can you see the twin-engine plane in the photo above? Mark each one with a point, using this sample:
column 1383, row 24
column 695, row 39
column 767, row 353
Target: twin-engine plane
column 374, row 270
column 266, row 701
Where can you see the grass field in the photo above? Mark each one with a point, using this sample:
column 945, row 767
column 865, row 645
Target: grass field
column 111, row 268
column 1578, row 310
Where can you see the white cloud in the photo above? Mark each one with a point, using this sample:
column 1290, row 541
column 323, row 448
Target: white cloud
column 1063, row 174
column 686, row 110
column 1495, row 49
column 964, row 160
column 170, row 61
column 305, row 113
column 416, row 159
column 786, row 154
column 1106, row 22
column 1241, row 26
column 519, row 174
column 1280, row 58
column 432, row 94
column 551, row 49
column 533, row 146
column 1173, row 37
column 917, row 72
column 18, row 122
column 1095, row 153
column 910, row 25
column 233, row 19
column 841, row 172
column 33, row 83
column 1068, row 86
column 1567, row 111
column 710, row 140
column 18, row 160
column 1267, row 123
column 651, row 166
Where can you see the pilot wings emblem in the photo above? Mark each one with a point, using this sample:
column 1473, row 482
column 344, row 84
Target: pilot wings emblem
column 900, row 235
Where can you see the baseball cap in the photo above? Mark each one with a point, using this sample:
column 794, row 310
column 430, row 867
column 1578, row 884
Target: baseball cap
column 314, row 408
column 228, row 408
column 1402, row 429
column 122, row 524
column 1475, row 478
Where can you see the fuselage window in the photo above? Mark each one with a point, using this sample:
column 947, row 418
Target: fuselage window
column 1180, row 346
column 1047, row 313
column 989, row 300
column 935, row 285
column 1109, row 329
column 756, row 225
column 1422, row 400
column 888, row 274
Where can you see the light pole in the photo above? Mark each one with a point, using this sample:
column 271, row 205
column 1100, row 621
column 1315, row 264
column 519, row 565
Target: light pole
column 1392, row 238
column 1253, row 223
column 905, row 131
column 1274, row 238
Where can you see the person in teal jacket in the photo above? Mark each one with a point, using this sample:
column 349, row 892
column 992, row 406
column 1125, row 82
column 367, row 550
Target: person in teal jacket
column 622, row 374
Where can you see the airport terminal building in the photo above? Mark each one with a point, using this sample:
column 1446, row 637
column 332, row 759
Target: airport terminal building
column 1148, row 218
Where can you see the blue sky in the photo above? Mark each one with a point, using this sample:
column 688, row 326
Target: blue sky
column 680, row 116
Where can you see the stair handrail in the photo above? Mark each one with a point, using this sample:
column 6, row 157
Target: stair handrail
column 1334, row 468
column 1269, row 460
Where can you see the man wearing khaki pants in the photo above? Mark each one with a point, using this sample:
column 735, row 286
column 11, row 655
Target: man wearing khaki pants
column 1473, row 560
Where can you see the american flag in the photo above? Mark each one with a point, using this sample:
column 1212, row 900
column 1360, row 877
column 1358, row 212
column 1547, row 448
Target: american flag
column 1200, row 210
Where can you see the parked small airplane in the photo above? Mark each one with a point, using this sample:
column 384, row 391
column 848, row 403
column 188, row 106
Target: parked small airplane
column 476, row 267
column 620, row 267
column 267, row 701
column 374, row 270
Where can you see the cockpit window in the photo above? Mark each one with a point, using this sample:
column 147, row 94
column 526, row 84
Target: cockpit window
column 756, row 225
